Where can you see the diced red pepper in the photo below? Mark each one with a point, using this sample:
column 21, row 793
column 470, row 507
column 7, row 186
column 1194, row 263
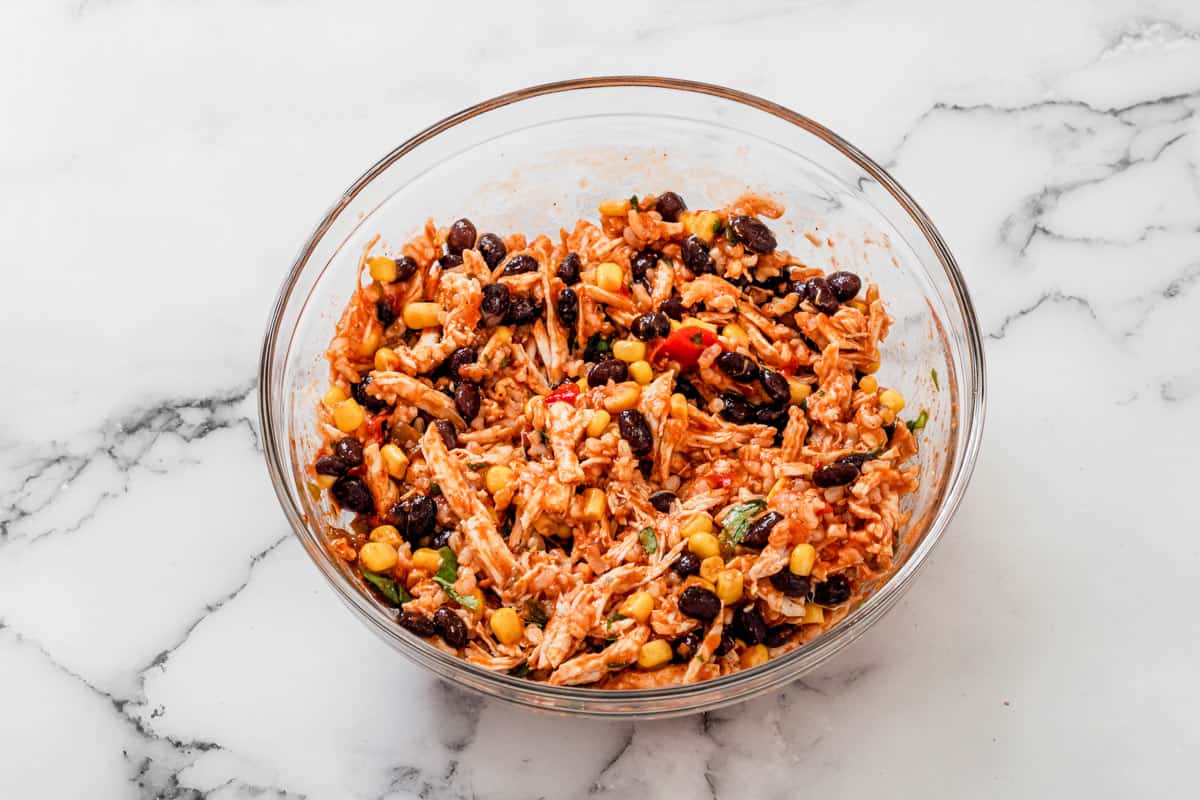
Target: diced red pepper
column 720, row 480
column 564, row 394
column 686, row 344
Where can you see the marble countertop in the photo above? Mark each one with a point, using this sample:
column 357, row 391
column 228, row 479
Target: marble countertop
column 163, row 635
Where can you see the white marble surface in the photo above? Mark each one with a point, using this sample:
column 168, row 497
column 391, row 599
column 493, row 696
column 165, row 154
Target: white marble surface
column 162, row 635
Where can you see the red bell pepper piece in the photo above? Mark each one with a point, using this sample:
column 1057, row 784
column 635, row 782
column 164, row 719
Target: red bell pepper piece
column 563, row 394
column 685, row 345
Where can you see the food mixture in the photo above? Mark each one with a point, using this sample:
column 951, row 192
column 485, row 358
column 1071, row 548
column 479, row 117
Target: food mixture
column 647, row 452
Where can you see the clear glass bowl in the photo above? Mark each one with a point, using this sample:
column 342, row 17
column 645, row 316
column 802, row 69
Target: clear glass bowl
column 535, row 161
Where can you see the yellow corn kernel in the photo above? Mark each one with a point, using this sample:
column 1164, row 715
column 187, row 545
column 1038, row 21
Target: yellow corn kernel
column 370, row 342
column 813, row 614
column 348, row 415
column 546, row 526
column 753, row 656
column 384, row 358
column 892, row 399
column 798, row 389
column 334, row 396
column 629, row 350
column 594, row 504
column 679, row 406
column 377, row 556
column 887, row 415
column 802, row 559
column 598, row 423
column 729, row 586
column 779, row 484
column 427, row 559
column 735, row 333
column 642, row 372
column 624, row 397
column 383, row 269
column 638, row 606
column 711, row 567
column 675, row 325
column 654, row 653
column 507, row 625
column 609, row 276
column 693, row 322
column 701, row 523
column 702, row 225
column 386, row 534
column 582, row 383
column 422, row 315
column 614, row 208
column 868, row 384
column 326, row 481
column 704, row 545
column 861, row 305
column 394, row 461
column 502, row 335
column 498, row 477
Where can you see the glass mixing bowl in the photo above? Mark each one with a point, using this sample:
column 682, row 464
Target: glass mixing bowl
column 538, row 159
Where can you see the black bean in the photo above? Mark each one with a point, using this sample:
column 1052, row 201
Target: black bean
column 416, row 623
column 845, row 285
column 821, row 295
column 466, row 400
column 700, row 603
column 779, row 635
column 634, row 430
column 384, row 313
column 726, row 644
column 349, row 450
column 496, row 301
column 748, row 625
column 642, row 260
column 492, row 248
column 760, row 530
column 674, row 308
column 406, row 267
column 351, row 493
column 451, row 628
column 524, row 310
column 695, row 255
column 359, row 392
column 856, row 459
column 519, row 265
column 770, row 415
column 738, row 367
column 689, row 391
column 775, row 385
column 736, row 408
column 662, row 501
column 451, row 260
column 447, row 432
column 330, row 465
column 654, row 325
column 441, row 539
column 462, row 357
column 596, row 349
column 790, row 583
column 415, row 517
column 800, row 288
column 687, row 564
column 833, row 592
column 568, row 307
column 834, row 475
column 461, row 236
column 669, row 205
column 756, row 236
column 610, row 369
column 568, row 270
column 687, row 647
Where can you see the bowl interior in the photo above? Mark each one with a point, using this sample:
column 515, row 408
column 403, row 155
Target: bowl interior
column 537, row 165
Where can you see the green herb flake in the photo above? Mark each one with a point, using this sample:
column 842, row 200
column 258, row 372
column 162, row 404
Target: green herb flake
column 534, row 613
column 633, row 201
column 649, row 540
column 434, row 490
column 918, row 423
column 804, row 404
column 520, row 670
column 719, row 228
column 396, row 594
column 619, row 665
column 937, row 386
column 611, row 618
column 737, row 520
column 479, row 466
column 504, row 362
column 447, row 574
column 697, row 339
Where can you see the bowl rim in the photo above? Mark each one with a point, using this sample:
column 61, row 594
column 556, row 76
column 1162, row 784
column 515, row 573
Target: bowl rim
column 707, row 694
